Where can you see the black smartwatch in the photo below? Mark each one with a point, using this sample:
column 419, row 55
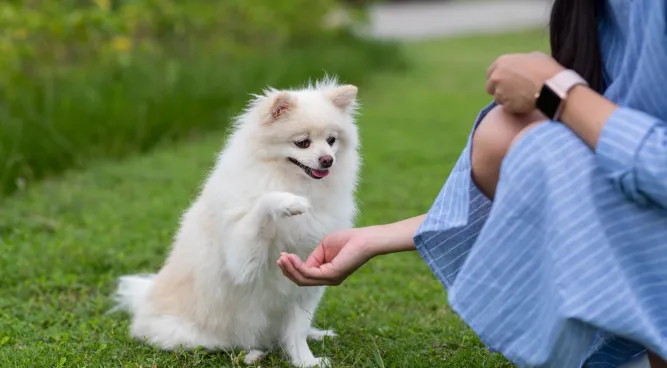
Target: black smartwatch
column 551, row 98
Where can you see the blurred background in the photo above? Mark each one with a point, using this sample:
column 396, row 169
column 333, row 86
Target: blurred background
column 111, row 114
column 87, row 79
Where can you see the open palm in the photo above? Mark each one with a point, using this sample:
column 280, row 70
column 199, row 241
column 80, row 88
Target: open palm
column 337, row 256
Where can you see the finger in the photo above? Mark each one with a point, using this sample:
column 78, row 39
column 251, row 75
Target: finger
column 496, row 63
column 307, row 271
column 498, row 98
column 281, row 260
column 297, row 275
column 512, row 108
column 316, row 257
column 294, row 275
column 322, row 275
column 286, row 274
column 302, row 274
column 283, row 269
column 490, row 86
column 539, row 54
column 491, row 69
column 503, row 59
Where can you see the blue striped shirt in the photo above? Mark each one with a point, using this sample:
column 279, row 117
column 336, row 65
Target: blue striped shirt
column 568, row 266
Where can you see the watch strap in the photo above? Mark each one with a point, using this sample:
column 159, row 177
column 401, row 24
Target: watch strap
column 564, row 81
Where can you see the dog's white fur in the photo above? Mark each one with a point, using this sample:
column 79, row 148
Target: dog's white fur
column 220, row 287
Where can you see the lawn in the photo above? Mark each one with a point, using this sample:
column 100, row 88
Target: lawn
column 65, row 241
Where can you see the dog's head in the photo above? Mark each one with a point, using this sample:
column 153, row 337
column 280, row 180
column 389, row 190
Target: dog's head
column 309, row 131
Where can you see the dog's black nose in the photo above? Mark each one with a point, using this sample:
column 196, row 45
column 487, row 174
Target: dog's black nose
column 326, row 161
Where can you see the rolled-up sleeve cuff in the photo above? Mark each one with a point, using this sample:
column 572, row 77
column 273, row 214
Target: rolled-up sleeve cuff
column 619, row 144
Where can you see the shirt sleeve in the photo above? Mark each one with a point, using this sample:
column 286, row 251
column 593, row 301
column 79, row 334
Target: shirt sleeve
column 632, row 149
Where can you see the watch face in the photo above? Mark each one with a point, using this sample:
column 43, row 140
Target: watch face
column 548, row 102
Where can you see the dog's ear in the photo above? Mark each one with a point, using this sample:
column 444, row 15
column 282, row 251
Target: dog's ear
column 281, row 104
column 343, row 96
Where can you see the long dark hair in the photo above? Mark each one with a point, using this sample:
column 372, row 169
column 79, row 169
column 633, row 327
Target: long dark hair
column 573, row 33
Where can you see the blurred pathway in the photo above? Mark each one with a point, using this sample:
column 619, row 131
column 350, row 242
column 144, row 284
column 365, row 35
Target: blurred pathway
column 423, row 20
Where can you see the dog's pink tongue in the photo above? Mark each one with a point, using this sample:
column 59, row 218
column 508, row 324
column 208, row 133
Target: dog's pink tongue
column 320, row 173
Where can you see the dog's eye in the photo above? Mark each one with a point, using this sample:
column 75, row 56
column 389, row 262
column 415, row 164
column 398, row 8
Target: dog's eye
column 303, row 144
column 331, row 140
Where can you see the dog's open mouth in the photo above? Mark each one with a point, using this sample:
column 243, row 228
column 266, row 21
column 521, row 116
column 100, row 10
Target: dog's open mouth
column 313, row 173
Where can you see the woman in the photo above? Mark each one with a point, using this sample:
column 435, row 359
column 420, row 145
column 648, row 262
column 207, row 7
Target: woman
column 557, row 257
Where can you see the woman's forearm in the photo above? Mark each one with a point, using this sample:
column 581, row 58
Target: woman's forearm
column 395, row 237
column 585, row 112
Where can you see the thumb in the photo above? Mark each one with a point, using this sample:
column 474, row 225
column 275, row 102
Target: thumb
column 316, row 257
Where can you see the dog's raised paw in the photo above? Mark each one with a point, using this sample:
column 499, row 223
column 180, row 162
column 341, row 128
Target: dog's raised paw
column 285, row 204
column 296, row 206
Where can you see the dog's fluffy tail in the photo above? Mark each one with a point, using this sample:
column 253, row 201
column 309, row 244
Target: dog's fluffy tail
column 132, row 292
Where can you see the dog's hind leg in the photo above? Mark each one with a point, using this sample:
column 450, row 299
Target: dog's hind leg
column 172, row 333
column 246, row 262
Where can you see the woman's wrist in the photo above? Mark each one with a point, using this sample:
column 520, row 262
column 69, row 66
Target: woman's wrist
column 585, row 112
column 394, row 237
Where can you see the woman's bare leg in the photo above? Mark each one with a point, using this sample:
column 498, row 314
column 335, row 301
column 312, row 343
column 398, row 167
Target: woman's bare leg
column 492, row 140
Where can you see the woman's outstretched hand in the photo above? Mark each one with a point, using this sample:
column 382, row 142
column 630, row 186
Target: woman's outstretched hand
column 335, row 258
column 342, row 252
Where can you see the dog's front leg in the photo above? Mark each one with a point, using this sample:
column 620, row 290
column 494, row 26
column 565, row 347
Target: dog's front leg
column 297, row 329
column 249, row 256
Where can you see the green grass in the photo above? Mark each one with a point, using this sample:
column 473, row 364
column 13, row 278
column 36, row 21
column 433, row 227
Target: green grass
column 65, row 241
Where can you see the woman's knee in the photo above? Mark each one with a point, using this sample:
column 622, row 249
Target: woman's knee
column 522, row 132
column 492, row 139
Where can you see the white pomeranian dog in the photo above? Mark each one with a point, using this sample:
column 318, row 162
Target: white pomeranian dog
column 285, row 179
